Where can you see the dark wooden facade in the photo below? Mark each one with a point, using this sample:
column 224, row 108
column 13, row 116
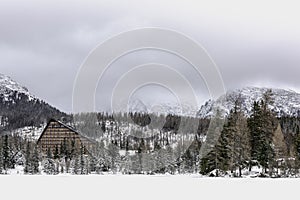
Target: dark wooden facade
column 56, row 134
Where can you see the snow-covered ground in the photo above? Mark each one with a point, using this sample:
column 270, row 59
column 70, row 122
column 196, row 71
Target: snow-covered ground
column 30, row 133
column 165, row 187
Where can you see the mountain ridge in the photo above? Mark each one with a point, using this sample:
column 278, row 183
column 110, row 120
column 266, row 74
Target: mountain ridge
column 20, row 108
column 286, row 101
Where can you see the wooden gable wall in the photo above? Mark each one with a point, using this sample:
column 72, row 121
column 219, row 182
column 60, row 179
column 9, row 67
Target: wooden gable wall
column 56, row 133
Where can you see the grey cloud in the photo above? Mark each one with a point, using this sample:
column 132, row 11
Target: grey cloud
column 42, row 45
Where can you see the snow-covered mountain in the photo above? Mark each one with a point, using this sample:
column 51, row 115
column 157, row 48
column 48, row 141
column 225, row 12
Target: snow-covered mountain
column 19, row 108
column 286, row 102
column 164, row 108
column 8, row 87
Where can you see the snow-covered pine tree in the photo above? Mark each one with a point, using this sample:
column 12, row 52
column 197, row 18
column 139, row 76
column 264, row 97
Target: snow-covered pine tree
column 28, row 166
column 92, row 164
column 57, row 163
column 76, row 165
column 83, row 169
column 56, row 154
column 296, row 149
column 1, row 158
column 62, row 170
column 35, row 161
column 49, row 165
column 220, row 158
column 236, row 140
column 213, row 134
column 125, row 161
column 5, row 153
column 209, row 163
column 32, row 159
column 261, row 127
column 113, row 154
column 232, row 150
column 223, row 149
column 269, row 122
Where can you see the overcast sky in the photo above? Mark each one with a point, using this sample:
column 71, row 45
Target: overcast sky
column 43, row 43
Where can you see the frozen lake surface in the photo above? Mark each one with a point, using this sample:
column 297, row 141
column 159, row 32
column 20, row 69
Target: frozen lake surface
column 145, row 187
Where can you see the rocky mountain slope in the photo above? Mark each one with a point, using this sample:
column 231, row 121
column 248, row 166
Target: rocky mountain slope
column 164, row 108
column 286, row 102
column 19, row 108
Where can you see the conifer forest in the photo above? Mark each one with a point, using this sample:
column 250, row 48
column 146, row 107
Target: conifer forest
column 258, row 145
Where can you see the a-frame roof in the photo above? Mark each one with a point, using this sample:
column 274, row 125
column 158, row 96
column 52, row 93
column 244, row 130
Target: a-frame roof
column 67, row 127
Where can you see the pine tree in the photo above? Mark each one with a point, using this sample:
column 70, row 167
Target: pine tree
column 49, row 165
column 62, row 168
column 232, row 149
column 297, row 148
column 5, row 153
column 204, row 167
column 188, row 161
column 35, row 161
column 1, row 159
column 92, row 164
column 76, row 165
column 268, row 121
column 159, row 161
column 63, row 148
column 49, row 153
column 28, row 167
column 261, row 126
column 82, row 161
column 113, row 154
column 255, row 127
column 209, row 163
column 57, row 163
column 135, row 164
column 280, row 149
column 213, row 134
column 241, row 143
column 223, row 147
column 56, row 153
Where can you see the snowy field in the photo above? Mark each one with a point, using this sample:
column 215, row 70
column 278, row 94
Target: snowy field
column 145, row 187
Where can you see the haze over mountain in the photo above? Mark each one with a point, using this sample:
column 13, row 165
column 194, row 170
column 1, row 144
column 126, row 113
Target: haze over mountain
column 19, row 108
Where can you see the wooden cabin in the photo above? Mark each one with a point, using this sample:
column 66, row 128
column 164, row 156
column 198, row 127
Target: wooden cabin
column 57, row 133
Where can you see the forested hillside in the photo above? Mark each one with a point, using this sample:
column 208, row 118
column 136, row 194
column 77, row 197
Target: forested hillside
column 19, row 108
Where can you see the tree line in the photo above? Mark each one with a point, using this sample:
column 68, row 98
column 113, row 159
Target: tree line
column 261, row 140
